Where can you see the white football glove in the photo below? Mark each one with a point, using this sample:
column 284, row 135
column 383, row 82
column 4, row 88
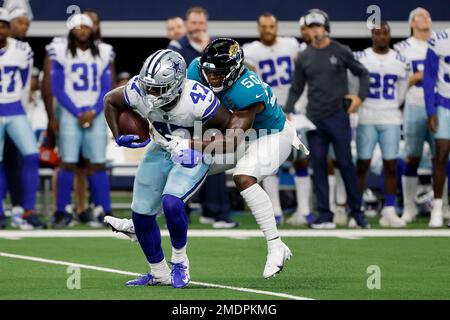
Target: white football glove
column 176, row 144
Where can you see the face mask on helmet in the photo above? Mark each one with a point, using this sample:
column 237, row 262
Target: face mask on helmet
column 218, row 79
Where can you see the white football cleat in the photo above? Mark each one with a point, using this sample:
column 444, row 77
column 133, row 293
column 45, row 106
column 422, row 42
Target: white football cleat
column 296, row 219
column 124, row 226
column 445, row 211
column 276, row 258
column 390, row 219
column 340, row 215
column 409, row 215
column 436, row 218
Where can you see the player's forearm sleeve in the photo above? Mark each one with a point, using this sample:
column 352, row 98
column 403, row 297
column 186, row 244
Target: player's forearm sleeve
column 57, row 79
column 430, row 72
column 296, row 89
column 105, row 84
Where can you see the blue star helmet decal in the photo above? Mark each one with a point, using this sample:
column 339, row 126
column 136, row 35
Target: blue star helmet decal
column 176, row 66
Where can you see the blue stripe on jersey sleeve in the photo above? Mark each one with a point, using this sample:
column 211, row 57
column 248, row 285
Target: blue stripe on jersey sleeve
column 211, row 110
column 125, row 94
column 430, row 72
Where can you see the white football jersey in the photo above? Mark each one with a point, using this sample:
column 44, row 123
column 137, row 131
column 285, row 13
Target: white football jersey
column 415, row 52
column 387, row 88
column 82, row 71
column 196, row 105
column 440, row 44
column 274, row 64
column 16, row 61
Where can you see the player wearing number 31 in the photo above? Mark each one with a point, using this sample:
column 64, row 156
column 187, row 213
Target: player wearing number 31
column 81, row 76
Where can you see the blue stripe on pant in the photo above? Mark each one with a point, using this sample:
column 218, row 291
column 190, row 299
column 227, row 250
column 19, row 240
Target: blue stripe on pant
column 334, row 129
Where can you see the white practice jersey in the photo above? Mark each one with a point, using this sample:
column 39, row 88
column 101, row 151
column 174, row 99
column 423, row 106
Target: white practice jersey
column 196, row 105
column 82, row 72
column 440, row 44
column 274, row 64
column 387, row 88
column 16, row 61
column 415, row 52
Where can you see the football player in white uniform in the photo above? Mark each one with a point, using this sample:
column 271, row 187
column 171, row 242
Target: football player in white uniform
column 272, row 58
column 436, row 85
column 173, row 105
column 416, row 130
column 16, row 61
column 80, row 77
column 380, row 117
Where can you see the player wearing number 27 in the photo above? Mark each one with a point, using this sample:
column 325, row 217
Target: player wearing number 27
column 16, row 61
column 81, row 76
column 380, row 117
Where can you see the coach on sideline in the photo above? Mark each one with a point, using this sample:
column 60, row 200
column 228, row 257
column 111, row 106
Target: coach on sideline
column 323, row 67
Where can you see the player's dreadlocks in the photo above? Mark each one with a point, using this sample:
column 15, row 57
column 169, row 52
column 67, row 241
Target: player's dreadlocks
column 72, row 46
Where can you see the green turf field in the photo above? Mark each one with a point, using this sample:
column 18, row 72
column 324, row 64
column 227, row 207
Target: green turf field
column 322, row 268
column 330, row 267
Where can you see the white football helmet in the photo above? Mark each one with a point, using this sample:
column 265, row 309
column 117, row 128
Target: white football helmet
column 162, row 77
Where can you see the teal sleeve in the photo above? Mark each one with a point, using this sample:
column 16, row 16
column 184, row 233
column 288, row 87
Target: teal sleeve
column 244, row 97
column 193, row 71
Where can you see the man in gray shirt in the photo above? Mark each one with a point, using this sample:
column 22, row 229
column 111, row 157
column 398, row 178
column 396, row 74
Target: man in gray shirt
column 323, row 67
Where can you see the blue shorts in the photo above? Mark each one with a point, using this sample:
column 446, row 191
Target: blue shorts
column 157, row 175
column 20, row 131
column 368, row 135
column 443, row 131
column 73, row 139
column 416, row 131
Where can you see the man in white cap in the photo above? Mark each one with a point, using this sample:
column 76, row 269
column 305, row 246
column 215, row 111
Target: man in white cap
column 80, row 77
column 16, row 61
column 19, row 24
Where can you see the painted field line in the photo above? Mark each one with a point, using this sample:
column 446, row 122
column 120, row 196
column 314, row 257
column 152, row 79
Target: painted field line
column 109, row 270
column 339, row 233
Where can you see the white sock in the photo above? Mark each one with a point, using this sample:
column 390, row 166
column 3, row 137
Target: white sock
column 437, row 204
column 259, row 203
column 332, row 189
column 273, row 244
column 409, row 192
column 303, row 192
column 179, row 255
column 341, row 194
column 271, row 185
column 160, row 269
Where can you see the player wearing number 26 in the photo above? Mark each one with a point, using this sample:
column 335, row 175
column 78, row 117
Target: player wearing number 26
column 81, row 76
column 380, row 117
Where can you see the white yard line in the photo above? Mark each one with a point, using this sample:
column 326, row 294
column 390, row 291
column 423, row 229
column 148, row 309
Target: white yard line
column 109, row 270
column 235, row 233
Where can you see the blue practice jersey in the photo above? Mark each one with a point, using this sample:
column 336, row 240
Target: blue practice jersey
column 245, row 92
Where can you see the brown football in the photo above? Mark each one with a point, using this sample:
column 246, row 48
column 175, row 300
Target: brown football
column 130, row 122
